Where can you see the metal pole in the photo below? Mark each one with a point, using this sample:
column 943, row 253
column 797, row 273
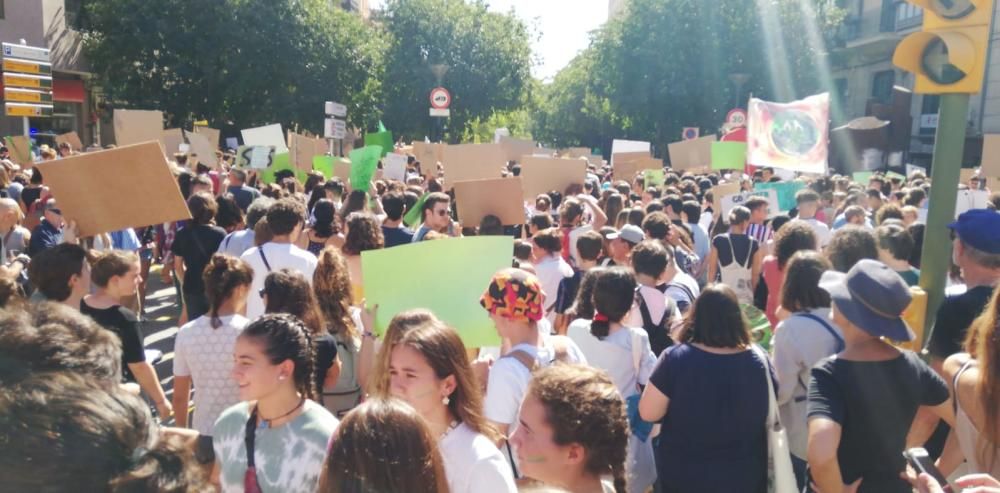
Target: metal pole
column 949, row 145
column 27, row 126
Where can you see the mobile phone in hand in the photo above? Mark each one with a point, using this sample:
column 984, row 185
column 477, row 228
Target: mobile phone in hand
column 921, row 461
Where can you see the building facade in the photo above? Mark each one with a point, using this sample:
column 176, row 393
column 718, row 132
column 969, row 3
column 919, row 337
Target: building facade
column 50, row 24
column 863, row 74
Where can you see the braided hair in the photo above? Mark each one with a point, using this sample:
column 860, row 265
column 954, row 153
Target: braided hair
column 284, row 337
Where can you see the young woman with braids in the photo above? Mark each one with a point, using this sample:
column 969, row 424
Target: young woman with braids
column 625, row 354
column 274, row 372
column 574, row 432
column 203, row 350
column 287, row 291
column 429, row 369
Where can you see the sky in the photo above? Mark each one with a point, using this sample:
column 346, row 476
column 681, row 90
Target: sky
column 562, row 26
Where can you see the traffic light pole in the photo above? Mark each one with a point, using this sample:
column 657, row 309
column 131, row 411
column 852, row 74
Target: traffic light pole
column 949, row 146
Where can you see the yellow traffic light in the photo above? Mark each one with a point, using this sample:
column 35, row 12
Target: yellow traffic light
column 949, row 55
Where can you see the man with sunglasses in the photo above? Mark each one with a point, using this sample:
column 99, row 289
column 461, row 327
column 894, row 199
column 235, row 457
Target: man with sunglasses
column 436, row 212
column 51, row 231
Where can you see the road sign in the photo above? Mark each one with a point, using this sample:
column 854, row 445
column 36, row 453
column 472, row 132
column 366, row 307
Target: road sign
column 23, row 109
column 440, row 112
column 690, row 133
column 335, row 109
column 440, row 98
column 25, row 52
column 29, row 81
column 334, row 128
column 26, row 67
column 26, row 95
column 736, row 118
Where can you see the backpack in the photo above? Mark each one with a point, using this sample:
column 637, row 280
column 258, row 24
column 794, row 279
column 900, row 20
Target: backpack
column 347, row 394
column 659, row 333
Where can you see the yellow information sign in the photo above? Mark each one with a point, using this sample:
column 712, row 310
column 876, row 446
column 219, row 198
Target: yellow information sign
column 26, row 67
column 26, row 95
column 18, row 109
column 29, row 81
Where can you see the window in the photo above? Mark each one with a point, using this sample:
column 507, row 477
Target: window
column 929, row 114
column 1, row 9
column 882, row 86
column 908, row 15
column 76, row 16
column 887, row 21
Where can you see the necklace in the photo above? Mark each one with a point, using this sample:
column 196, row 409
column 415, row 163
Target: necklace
column 452, row 426
column 265, row 423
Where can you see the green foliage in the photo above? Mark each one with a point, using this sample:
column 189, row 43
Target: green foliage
column 666, row 64
column 236, row 62
column 488, row 54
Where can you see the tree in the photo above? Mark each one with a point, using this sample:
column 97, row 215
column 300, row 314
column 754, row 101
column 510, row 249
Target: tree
column 235, row 63
column 488, row 55
column 666, row 64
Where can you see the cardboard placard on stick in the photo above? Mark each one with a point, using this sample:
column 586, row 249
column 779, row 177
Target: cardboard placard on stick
column 723, row 190
column 103, row 191
column 135, row 126
column 268, row 135
column 428, row 155
column 515, row 149
column 545, row 174
column 694, row 154
column 303, row 149
column 171, row 139
column 627, row 169
column 71, row 138
column 619, row 146
column 20, row 150
column 211, row 134
column 991, row 156
column 501, row 197
column 472, row 162
column 202, row 149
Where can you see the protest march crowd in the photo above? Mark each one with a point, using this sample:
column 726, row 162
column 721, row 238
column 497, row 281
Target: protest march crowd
column 644, row 339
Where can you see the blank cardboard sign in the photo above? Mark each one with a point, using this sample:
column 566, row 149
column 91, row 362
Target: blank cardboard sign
column 691, row 154
column 203, row 150
column 473, row 162
column 71, row 138
column 515, row 149
column 171, row 139
column 105, row 191
column 545, row 174
column 501, row 197
column 211, row 134
column 136, row 126
column 991, row 156
column 626, row 169
column 303, row 149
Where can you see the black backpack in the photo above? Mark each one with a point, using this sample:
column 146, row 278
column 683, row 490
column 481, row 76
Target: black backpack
column 659, row 333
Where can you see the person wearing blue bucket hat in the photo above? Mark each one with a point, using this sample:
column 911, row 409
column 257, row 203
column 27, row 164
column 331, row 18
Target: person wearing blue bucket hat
column 863, row 400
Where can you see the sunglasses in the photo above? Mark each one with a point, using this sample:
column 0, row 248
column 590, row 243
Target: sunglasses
column 443, row 213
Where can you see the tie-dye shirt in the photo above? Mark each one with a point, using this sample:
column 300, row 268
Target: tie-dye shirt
column 289, row 458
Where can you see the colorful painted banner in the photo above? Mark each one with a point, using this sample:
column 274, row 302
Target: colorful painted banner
column 451, row 274
column 791, row 136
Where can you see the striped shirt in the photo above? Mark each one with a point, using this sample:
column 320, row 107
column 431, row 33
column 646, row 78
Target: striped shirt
column 760, row 232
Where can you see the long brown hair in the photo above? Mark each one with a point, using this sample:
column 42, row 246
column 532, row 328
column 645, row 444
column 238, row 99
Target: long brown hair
column 444, row 351
column 332, row 286
column 363, row 233
column 223, row 275
column 289, row 292
column 399, row 325
column 383, row 445
column 983, row 343
column 583, row 406
column 716, row 320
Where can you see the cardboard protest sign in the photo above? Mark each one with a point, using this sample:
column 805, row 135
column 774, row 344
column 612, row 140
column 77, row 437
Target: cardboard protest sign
column 515, row 149
column 692, row 154
column 791, row 136
column 428, row 154
column 202, row 149
column 966, row 174
column 545, row 174
column 445, row 276
column 20, row 149
column 627, row 169
column 303, row 149
column 71, row 138
column 394, row 166
column 654, row 177
column 382, row 138
column 991, row 156
column 103, row 191
column 364, row 161
column 576, row 152
column 862, row 177
column 730, row 201
column 211, row 135
column 255, row 157
column 619, row 146
column 729, row 155
column 268, row 135
column 280, row 162
column 892, row 175
column 501, row 197
column 786, row 191
column 332, row 166
column 966, row 201
column 722, row 190
column 135, row 126
column 171, row 139
column 473, row 162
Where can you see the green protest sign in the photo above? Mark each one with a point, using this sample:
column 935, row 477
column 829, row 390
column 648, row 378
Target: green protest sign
column 729, row 155
column 280, row 162
column 363, row 164
column 863, row 177
column 449, row 274
column 654, row 177
column 415, row 215
column 382, row 138
column 786, row 192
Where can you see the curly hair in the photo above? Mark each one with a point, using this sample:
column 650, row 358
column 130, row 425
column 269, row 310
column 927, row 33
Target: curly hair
column 289, row 292
column 793, row 237
column 363, row 233
column 583, row 405
column 849, row 245
column 284, row 337
column 332, row 286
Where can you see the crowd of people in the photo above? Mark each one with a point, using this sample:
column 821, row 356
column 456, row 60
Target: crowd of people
column 650, row 341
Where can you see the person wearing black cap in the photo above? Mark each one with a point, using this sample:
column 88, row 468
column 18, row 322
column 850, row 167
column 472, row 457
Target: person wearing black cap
column 863, row 400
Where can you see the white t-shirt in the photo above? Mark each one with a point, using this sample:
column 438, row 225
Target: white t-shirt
column 820, row 228
column 574, row 235
column 551, row 271
column 474, row 464
column 614, row 354
column 279, row 256
column 206, row 355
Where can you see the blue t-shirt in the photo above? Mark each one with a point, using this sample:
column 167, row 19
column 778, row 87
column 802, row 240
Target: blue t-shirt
column 713, row 435
column 397, row 236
